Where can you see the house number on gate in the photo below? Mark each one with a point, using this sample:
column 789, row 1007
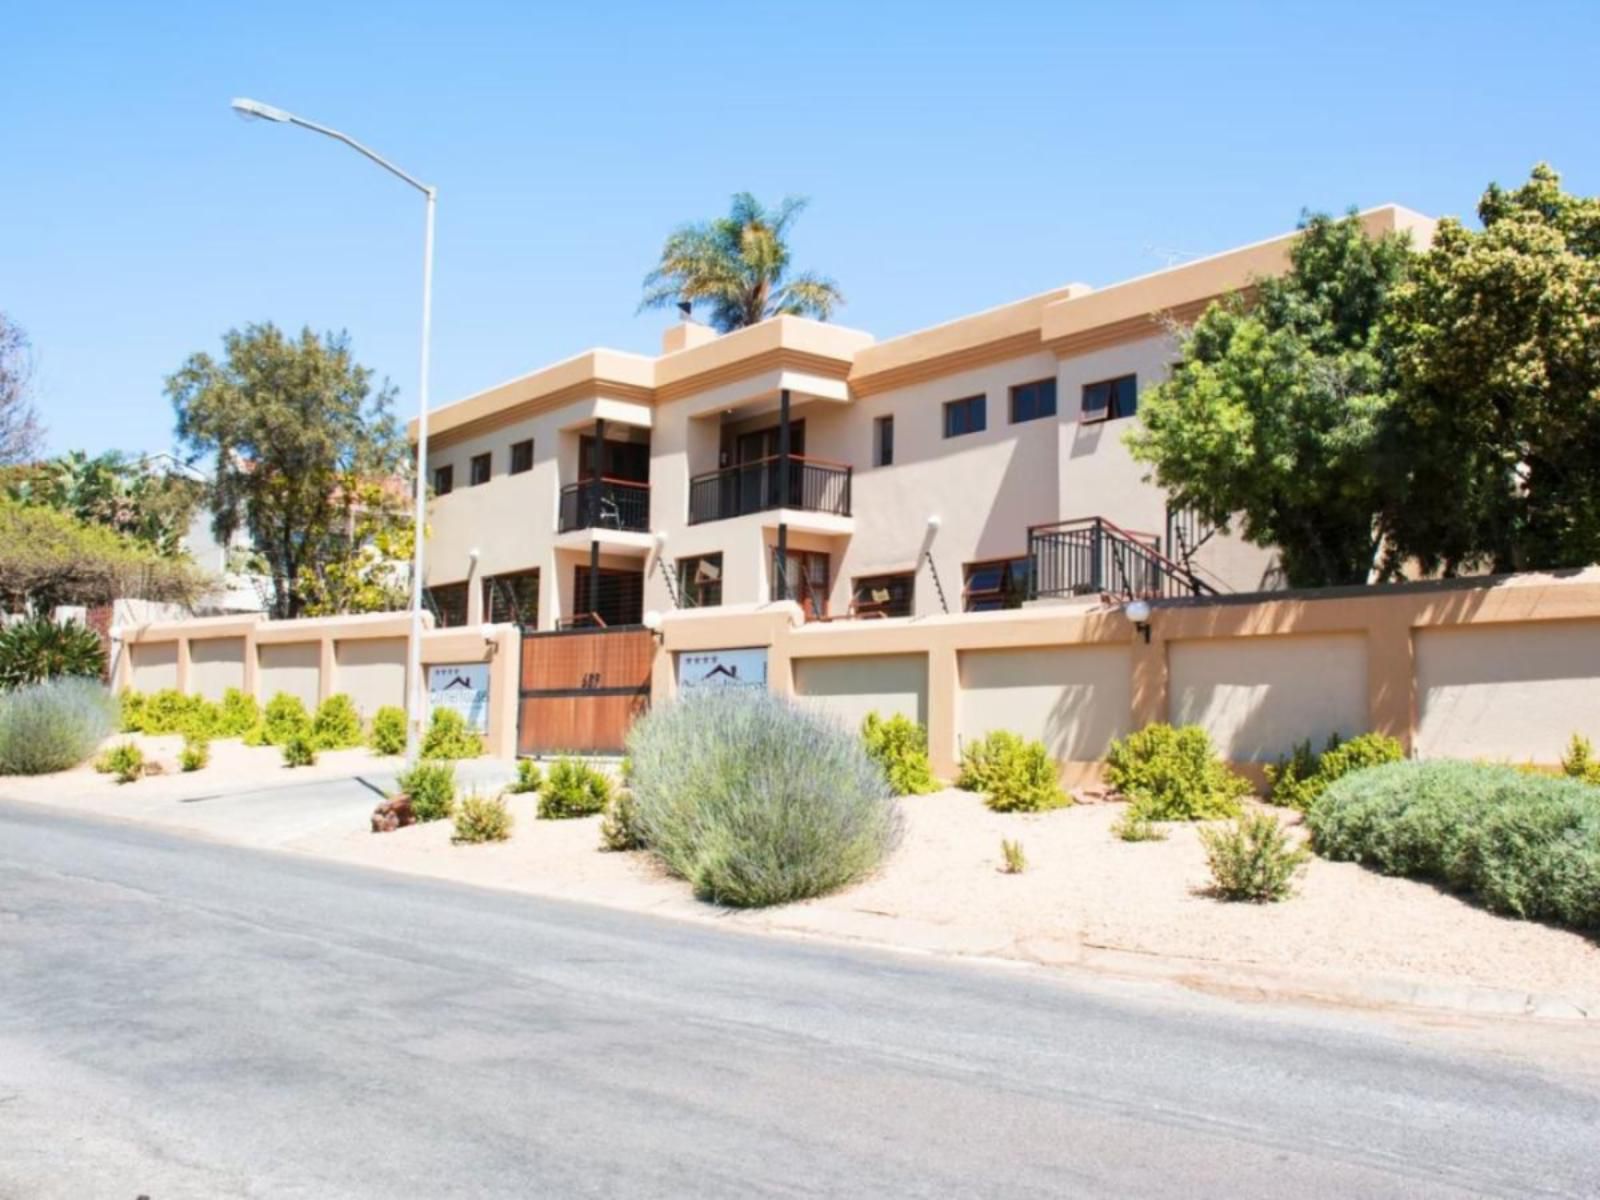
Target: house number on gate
column 590, row 681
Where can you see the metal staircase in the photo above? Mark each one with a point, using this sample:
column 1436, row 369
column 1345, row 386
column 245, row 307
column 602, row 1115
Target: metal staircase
column 1091, row 556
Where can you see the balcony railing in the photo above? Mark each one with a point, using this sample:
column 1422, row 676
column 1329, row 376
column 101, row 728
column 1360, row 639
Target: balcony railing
column 815, row 485
column 1091, row 557
column 605, row 504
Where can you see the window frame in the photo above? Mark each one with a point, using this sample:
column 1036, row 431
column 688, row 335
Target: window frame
column 1035, row 386
column 460, row 597
column 1111, row 411
column 978, row 403
column 490, row 595
column 975, row 600
column 688, row 586
column 884, row 608
column 517, row 448
column 883, row 441
column 444, row 479
column 485, row 461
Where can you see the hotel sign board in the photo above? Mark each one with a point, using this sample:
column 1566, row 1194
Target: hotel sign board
column 700, row 670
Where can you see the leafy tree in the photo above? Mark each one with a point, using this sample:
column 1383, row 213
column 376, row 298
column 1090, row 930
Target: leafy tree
column 739, row 265
column 1493, row 446
column 127, row 495
column 48, row 558
column 20, row 431
column 296, row 429
column 1272, row 414
column 368, row 569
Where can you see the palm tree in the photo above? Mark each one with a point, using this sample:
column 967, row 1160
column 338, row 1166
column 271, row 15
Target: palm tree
column 739, row 265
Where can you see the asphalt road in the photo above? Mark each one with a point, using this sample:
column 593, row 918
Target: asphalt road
column 182, row 1018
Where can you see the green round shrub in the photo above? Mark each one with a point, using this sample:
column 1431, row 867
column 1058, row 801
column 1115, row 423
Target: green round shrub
column 431, row 787
column 388, row 731
column 1013, row 773
column 1298, row 780
column 899, row 746
column 481, row 818
column 124, row 760
column 755, row 800
column 1174, row 775
column 573, row 789
column 237, row 715
column 285, row 718
column 299, row 750
column 54, row 725
column 448, row 736
column 529, row 777
column 39, row 648
column 337, row 724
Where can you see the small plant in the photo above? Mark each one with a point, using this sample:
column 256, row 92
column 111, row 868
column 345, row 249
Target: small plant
column 196, row 753
column 1015, row 861
column 1298, row 780
column 40, row 648
column 124, row 760
column 130, row 711
column 529, row 777
column 388, row 734
column 337, row 725
column 285, row 719
column 54, row 725
column 1579, row 761
column 900, row 746
column 449, row 737
column 573, row 789
column 1015, row 775
column 432, row 788
column 1134, row 826
column 1174, row 774
column 300, row 750
column 619, row 828
column 237, row 714
column 481, row 818
column 1253, row 859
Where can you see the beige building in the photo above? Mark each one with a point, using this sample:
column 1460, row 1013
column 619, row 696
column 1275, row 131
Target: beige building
column 977, row 464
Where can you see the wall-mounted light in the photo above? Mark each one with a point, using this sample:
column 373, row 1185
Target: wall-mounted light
column 661, row 538
column 652, row 622
column 1138, row 611
column 933, row 523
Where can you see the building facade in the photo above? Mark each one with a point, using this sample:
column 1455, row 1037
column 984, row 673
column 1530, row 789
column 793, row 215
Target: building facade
column 975, row 465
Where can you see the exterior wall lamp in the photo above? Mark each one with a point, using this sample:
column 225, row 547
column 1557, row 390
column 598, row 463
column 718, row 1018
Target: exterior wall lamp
column 1138, row 611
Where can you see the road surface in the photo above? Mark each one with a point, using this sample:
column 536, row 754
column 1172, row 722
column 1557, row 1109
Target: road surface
column 181, row 1018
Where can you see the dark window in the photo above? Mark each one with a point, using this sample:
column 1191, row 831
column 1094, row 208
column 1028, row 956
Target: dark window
column 628, row 461
column 884, row 595
column 999, row 583
column 965, row 416
column 1030, row 401
column 807, row 577
column 883, row 451
column 1111, row 399
column 444, row 480
column 449, row 604
column 512, row 599
column 521, row 456
column 480, row 469
column 619, row 598
column 700, row 581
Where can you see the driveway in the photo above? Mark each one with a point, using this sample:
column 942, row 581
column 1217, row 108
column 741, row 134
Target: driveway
column 183, row 1018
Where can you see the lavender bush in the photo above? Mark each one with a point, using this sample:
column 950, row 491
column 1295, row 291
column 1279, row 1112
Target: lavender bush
column 54, row 725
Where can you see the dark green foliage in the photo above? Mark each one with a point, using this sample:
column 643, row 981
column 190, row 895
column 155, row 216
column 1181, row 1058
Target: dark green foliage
column 388, row 731
column 1523, row 844
column 529, row 777
column 53, row 725
column 1252, row 859
column 299, row 750
column 432, row 789
column 1014, row 774
column 337, row 725
column 38, row 648
column 899, row 745
column 1174, row 775
column 481, row 819
column 573, row 789
column 1298, row 780
column 447, row 736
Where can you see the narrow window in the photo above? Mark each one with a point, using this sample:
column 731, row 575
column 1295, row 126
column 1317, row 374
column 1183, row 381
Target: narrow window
column 1030, row 401
column 480, row 469
column 883, row 451
column 521, row 456
column 512, row 599
column 700, row 581
column 444, row 480
column 965, row 416
column 449, row 604
column 884, row 595
column 1111, row 399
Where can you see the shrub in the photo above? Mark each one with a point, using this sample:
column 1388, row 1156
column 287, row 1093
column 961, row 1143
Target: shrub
column 1134, row 826
column 337, row 724
column 757, row 801
column 54, row 725
column 1174, row 775
column 39, row 648
column 388, row 731
column 1579, row 761
column 237, row 715
column 529, row 777
column 1298, row 780
column 125, row 761
column 481, row 818
column 619, row 828
column 1522, row 844
column 196, row 753
column 449, row 737
column 299, row 750
column 900, row 747
column 1015, row 862
column 172, row 711
column 284, row 720
column 130, row 711
column 573, row 789
column 1015, row 775
column 1252, row 859
column 432, row 788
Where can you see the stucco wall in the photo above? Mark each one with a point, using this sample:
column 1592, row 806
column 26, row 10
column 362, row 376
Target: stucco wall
column 154, row 667
column 1513, row 692
column 1074, row 699
column 850, row 688
column 292, row 667
column 372, row 671
column 1257, row 697
column 216, row 664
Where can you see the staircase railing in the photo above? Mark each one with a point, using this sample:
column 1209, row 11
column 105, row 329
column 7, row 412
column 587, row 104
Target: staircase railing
column 1092, row 556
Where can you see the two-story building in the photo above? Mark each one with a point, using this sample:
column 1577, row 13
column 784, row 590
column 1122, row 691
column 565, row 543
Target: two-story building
column 978, row 464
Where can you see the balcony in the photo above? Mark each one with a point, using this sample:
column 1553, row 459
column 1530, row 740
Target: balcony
column 605, row 504
column 1091, row 556
column 815, row 485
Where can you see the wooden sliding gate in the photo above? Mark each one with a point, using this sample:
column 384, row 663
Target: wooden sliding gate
column 582, row 689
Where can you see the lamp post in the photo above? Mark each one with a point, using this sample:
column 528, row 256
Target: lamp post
column 254, row 110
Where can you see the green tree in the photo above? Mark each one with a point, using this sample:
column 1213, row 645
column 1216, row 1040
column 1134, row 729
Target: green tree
column 1272, row 414
column 296, row 429
column 20, row 431
column 47, row 558
column 1493, row 443
column 739, row 265
column 369, row 571
column 127, row 495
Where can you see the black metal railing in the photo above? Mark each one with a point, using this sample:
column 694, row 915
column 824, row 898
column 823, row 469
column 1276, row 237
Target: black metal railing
column 1093, row 557
column 1187, row 531
column 605, row 504
column 814, row 486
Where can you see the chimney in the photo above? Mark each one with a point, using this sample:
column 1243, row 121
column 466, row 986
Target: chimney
column 687, row 332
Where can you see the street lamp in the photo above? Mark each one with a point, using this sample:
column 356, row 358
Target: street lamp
column 254, row 110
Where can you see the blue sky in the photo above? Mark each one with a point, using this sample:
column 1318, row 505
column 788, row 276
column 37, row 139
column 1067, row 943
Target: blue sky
column 957, row 156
